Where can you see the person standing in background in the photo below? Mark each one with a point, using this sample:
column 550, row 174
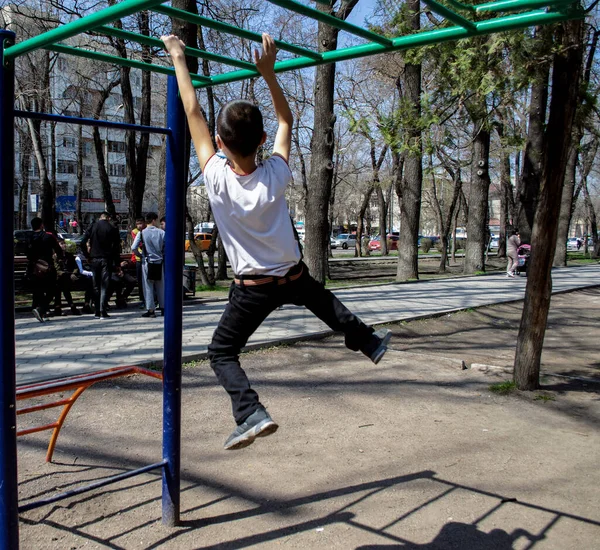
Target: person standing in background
column 152, row 240
column 105, row 254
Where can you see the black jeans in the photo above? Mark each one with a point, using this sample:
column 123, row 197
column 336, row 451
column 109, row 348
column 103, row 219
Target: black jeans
column 43, row 290
column 102, row 269
column 63, row 286
column 249, row 306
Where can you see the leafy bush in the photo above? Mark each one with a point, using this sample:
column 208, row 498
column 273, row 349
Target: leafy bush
column 426, row 245
column 438, row 245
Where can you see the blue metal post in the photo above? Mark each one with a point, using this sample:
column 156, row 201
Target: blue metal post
column 174, row 260
column 9, row 518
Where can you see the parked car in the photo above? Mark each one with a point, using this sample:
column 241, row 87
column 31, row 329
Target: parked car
column 494, row 243
column 392, row 242
column 573, row 242
column 345, row 241
column 202, row 240
column 332, row 242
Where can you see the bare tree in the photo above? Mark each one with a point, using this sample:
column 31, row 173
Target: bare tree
column 322, row 144
column 565, row 89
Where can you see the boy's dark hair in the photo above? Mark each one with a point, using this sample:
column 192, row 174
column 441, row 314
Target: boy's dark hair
column 163, row 219
column 240, row 127
column 140, row 220
column 151, row 216
column 36, row 223
column 105, row 215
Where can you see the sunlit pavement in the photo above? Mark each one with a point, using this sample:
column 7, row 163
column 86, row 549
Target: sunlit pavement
column 73, row 345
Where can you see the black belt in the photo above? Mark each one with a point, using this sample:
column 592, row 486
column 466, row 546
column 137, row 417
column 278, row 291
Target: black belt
column 253, row 280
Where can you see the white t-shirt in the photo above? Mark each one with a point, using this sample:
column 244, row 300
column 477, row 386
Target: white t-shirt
column 252, row 216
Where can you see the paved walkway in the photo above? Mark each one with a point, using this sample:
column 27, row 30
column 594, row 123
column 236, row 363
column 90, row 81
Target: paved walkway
column 75, row 345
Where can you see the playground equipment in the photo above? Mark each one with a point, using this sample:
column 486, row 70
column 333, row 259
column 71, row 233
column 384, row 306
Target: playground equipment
column 492, row 17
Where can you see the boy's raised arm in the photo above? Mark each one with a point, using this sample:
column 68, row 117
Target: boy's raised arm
column 198, row 127
column 265, row 63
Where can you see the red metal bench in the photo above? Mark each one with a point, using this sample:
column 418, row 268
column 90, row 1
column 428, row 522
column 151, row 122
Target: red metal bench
column 78, row 383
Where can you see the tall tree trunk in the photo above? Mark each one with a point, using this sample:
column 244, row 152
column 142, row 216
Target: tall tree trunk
column 477, row 229
column 569, row 195
column 591, row 216
column 322, row 145
column 505, row 197
column 412, row 179
column 46, row 200
column 566, row 204
column 361, row 219
column 532, row 169
column 321, row 168
column 383, row 219
column 565, row 90
column 25, row 164
column 101, row 160
column 79, row 188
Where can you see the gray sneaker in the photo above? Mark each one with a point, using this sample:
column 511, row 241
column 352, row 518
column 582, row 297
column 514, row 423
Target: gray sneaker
column 258, row 424
column 384, row 334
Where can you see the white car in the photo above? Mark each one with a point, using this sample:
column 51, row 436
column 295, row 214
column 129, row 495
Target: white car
column 345, row 241
column 572, row 243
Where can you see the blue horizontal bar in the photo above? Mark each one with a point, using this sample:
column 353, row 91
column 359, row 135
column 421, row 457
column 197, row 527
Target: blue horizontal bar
column 92, row 122
column 91, row 486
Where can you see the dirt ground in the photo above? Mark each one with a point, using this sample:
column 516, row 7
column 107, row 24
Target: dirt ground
column 412, row 453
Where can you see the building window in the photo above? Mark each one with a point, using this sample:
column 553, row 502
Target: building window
column 62, row 188
column 137, row 103
column 116, row 146
column 87, row 148
column 118, row 194
column 116, row 170
column 69, row 141
column 87, row 194
column 66, row 166
column 88, row 172
column 33, row 170
column 62, row 64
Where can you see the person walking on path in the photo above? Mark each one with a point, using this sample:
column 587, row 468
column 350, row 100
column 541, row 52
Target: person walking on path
column 105, row 255
column 248, row 202
column 152, row 241
column 40, row 268
column 512, row 251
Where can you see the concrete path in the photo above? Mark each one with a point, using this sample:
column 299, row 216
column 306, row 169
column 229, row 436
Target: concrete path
column 74, row 345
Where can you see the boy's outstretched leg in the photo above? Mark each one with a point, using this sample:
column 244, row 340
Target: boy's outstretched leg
column 384, row 335
column 326, row 306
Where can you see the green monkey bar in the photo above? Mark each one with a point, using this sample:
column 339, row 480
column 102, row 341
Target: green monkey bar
column 498, row 15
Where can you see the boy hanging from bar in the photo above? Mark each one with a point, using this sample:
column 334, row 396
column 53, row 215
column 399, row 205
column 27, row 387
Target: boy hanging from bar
column 249, row 206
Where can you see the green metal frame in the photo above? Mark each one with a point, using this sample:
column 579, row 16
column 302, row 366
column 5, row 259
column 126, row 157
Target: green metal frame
column 488, row 22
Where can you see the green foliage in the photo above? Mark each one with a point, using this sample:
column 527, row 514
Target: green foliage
column 426, row 245
column 503, row 388
column 544, row 397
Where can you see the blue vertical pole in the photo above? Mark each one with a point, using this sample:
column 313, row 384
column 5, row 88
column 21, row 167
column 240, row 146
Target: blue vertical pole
column 174, row 260
column 9, row 518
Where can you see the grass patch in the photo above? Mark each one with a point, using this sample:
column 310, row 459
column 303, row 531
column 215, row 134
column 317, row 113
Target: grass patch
column 212, row 288
column 503, row 388
column 544, row 397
